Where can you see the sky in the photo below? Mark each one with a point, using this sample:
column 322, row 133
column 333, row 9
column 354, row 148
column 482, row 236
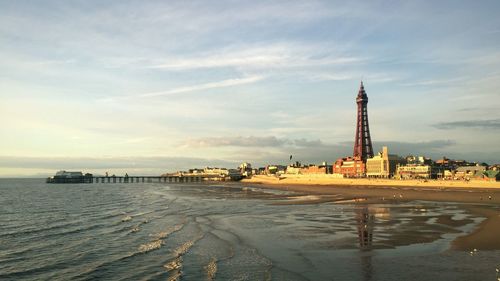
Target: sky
column 147, row 87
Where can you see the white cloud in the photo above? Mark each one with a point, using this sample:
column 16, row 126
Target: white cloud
column 277, row 55
column 435, row 82
column 190, row 88
column 206, row 86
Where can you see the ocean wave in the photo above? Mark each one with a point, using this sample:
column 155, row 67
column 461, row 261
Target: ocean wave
column 141, row 214
column 211, row 269
column 175, row 276
column 174, row 264
column 126, row 218
column 168, row 231
column 154, row 245
column 159, row 242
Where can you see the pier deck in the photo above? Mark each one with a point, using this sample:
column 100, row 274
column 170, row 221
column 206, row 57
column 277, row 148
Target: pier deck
column 137, row 179
column 147, row 179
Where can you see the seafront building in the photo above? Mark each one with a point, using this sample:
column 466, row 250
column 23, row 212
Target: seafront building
column 383, row 165
column 299, row 169
column 470, row 172
column 245, row 169
column 209, row 173
column 415, row 171
column 274, row 170
column 350, row 167
column 317, row 169
column 417, row 167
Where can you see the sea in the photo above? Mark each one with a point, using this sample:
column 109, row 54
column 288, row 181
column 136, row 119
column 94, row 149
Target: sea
column 226, row 231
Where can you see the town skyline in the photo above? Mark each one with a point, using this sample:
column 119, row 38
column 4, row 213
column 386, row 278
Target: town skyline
column 168, row 86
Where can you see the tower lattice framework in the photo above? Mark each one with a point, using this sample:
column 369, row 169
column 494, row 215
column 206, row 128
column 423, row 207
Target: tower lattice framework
column 362, row 143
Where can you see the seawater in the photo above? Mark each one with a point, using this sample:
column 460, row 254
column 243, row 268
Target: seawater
column 159, row 231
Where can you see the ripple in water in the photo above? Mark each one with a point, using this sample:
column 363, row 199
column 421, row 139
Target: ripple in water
column 154, row 245
column 175, row 265
column 211, row 269
column 127, row 218
column 170, row 230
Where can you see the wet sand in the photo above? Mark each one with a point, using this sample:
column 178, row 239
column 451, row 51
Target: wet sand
column 482, row 202
column 377, row 194
column 487, row 234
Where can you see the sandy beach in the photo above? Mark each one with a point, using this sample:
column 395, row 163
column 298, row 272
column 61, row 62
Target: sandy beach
column 323, row 179
column 482, row 199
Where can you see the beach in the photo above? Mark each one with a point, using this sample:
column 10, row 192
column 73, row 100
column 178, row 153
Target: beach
column 481, row 200
column 332, row 179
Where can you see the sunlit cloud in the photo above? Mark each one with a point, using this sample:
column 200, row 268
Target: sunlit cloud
column 188, row 89
column 206, row 86
column 284, row 55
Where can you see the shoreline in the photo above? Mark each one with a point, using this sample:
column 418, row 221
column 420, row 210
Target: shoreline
column 383, row 194
column 331, row 180
column 482, row 202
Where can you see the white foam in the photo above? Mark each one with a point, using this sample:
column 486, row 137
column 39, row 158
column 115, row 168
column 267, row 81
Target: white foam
column 154, row 245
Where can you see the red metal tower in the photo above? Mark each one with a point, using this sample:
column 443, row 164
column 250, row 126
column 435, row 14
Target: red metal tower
column 363, row 143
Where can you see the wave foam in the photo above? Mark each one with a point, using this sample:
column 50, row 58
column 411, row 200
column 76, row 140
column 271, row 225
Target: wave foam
column 154, row 245
column 211, row 269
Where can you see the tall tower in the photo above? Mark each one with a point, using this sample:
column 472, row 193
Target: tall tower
column 362, row 143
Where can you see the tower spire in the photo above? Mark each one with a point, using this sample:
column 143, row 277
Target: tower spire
column 362, row 142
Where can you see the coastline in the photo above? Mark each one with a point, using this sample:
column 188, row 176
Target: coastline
column 357, row 189
column 331, row 180
column 480, row 201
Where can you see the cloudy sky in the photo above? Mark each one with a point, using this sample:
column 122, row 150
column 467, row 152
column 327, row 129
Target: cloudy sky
column 154, row 86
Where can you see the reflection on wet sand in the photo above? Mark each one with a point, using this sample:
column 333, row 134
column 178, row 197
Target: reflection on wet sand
column 365, row 222
column 365, row 219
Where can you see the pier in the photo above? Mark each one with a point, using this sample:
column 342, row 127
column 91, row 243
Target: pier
column 79, row 177
column 88, row 178
column 146, row 179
